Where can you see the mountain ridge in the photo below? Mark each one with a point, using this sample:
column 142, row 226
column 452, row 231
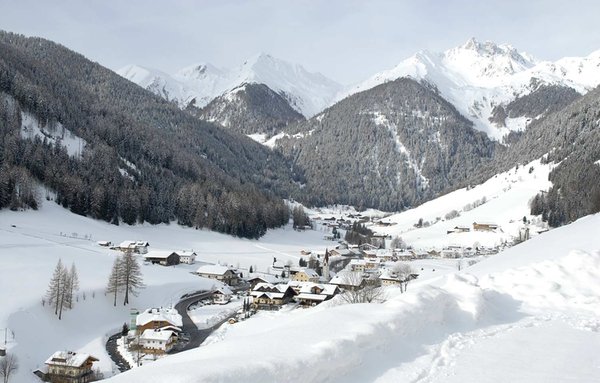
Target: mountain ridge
column 307, row 92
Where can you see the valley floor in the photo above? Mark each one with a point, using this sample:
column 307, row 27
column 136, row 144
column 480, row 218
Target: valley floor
column 527, row 314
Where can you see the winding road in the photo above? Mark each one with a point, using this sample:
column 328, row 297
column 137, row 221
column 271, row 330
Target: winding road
column 189, row 329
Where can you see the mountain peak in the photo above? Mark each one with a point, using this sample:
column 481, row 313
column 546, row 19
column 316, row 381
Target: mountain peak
column 199, row 70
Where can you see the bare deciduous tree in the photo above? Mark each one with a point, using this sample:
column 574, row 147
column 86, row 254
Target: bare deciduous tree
column 398, row 243
column 8, row 365
column 363, row 291
column 404, row 272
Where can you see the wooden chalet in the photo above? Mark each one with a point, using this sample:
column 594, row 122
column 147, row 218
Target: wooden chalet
column 155, row 318
column 162, row 257
column 266, row 296
column 70, row 367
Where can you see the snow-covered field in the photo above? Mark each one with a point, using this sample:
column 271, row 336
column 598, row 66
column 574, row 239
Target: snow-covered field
column 530, row 313
column 507, row 197
column 30, row 249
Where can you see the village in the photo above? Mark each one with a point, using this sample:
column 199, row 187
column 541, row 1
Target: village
column 354, row 272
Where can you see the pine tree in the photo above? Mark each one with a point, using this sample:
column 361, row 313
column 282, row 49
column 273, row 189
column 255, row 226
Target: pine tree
column 130, row 276
column 114, row 280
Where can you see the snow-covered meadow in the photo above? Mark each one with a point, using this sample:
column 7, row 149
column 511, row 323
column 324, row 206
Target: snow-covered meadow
column 528, row 314
column 31, row 243
column 524, row 314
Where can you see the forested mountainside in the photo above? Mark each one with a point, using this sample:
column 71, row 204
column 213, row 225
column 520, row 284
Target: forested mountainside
column 141, row 159
column 571, row 138
column 542, row 101
column 250, row 109
column 390, row 147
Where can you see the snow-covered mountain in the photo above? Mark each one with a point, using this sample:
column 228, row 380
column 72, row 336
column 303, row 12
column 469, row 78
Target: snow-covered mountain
column 478, row 76
column 307, row 92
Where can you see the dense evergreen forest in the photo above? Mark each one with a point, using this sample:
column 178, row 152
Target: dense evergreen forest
column 391, row 147
column 184, row 169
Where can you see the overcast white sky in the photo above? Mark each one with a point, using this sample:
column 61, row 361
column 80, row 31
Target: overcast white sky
column 346, row 40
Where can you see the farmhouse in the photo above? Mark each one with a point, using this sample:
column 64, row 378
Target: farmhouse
column 139, row 247
column 221, row 273
column 187, row 257
column 311, row 294
column 222, row 295
column 162, row 257
column 266, row 296
column 263, row 278
column 306, row 275
column 70, row 367
column 155, row 318
column 390, row 278
column 158, row 341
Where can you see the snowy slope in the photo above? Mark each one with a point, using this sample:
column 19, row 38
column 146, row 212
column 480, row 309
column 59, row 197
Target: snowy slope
column 470, row 326
column 307, row 92
column 478, row 76
column 31, row 243
column 506, row 197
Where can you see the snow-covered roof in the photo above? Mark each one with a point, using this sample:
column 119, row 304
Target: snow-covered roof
column 270, row 295
column 310, row 273
column 347, row 278
column 162, row 314
column 213, row 269
column 69, row 358
column 344, row 252
column 312, row 297
column 157, row 334
column 163, row 254
column 326, row 289
column 185, row 253
column 225, row 290
column 270, row 286
column 269, row 278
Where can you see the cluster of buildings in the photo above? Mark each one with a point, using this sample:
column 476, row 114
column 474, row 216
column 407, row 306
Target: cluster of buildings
column 156, row 330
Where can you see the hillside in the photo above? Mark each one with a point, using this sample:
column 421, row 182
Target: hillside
column 250, row 109
column 390, row 147
column 133, row 156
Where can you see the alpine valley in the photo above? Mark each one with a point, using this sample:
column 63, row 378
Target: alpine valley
column 436, row 222
column 434, row 123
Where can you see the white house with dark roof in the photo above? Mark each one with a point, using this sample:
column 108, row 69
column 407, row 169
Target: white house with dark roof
column 186, row 256
column 222, row 295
